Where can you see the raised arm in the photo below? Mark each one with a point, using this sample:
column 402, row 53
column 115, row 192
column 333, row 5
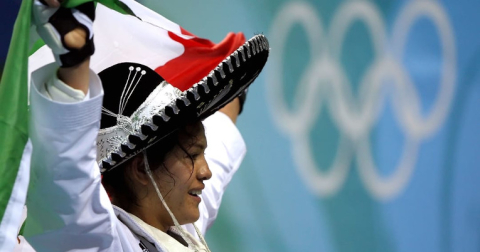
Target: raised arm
column 68, row 208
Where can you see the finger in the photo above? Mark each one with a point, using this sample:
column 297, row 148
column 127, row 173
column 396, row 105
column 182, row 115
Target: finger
column 76, row 39
column 51, row 3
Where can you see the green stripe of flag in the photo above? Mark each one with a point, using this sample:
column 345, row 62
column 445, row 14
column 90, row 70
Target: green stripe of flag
column 13, row 104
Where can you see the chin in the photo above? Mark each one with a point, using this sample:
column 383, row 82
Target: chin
column 192, row 216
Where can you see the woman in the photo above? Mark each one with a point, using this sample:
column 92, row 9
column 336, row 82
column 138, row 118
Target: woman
column 150, row 145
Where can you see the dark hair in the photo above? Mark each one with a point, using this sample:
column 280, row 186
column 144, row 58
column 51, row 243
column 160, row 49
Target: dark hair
column 119, row 185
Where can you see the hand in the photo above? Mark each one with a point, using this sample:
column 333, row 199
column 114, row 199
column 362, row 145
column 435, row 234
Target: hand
column 75, row 45
column 232, row 109
column 77, row 37
column 75, row 27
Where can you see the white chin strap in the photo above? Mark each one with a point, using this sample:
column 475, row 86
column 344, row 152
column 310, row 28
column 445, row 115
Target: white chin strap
column 175, row 222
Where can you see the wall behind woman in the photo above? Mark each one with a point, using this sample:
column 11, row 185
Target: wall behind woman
column 8, row 13
column 362, row 133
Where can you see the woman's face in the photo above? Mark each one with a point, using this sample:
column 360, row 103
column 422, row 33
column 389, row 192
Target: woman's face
column 181, row 182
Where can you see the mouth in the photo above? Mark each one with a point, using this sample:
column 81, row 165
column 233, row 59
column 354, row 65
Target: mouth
column 195, row 193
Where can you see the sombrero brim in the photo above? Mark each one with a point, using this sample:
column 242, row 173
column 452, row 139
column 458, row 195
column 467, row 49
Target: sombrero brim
column 222, row 85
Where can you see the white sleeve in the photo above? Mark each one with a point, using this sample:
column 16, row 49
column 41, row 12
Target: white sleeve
column 225, row 152
column 67, row 206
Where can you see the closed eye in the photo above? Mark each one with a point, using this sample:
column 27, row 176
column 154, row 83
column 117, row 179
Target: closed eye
column 196, row 155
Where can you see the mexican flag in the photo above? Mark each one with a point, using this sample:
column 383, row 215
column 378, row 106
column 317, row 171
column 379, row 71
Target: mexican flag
column 148, row 38
column 125, row 31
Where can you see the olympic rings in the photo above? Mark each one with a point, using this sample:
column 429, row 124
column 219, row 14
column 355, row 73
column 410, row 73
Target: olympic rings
column 325, row 80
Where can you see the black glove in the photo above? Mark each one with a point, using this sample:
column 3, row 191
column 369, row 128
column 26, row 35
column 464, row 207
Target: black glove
column 54, row 23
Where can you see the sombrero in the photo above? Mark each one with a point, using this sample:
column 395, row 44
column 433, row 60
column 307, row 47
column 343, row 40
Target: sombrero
column 140, row 107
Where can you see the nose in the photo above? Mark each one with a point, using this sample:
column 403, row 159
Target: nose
column 204, row 172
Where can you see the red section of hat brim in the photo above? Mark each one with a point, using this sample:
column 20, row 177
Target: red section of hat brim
column 200, row 57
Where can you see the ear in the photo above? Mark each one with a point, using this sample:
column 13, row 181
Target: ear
column 137, row 172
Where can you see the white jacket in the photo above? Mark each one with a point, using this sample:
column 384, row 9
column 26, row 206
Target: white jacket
column 68, row 209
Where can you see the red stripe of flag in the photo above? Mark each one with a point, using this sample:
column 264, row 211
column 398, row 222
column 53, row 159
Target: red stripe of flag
column 200, row 57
